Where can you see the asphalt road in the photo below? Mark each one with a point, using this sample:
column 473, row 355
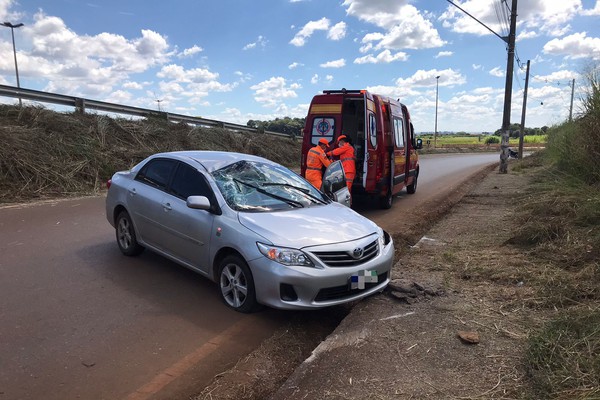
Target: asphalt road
column 79, row 320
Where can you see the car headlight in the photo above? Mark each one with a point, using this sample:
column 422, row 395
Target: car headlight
column 284, row 255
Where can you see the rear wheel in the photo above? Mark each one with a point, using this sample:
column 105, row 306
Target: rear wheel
column 412, row 188
column 237, row 285
column 126, row 238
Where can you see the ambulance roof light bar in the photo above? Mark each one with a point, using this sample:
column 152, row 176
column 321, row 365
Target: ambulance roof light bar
column 343, row 91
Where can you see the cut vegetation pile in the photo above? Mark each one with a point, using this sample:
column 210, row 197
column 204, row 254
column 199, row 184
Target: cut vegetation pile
column 48, row 154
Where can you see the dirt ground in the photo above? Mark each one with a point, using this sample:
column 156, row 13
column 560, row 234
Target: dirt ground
column 460, row 283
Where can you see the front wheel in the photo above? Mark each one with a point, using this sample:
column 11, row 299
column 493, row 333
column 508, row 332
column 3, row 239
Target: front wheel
column 126, row 238
column 237, row 285
column 412, row 188
column 385, row 202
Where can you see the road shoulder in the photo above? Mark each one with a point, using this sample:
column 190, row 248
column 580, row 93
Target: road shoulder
column 448, row 327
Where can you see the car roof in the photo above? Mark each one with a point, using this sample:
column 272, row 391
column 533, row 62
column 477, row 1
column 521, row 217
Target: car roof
column 212, row 160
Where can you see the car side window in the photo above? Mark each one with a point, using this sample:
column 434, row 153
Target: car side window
column 156, row 172
column 189, row 182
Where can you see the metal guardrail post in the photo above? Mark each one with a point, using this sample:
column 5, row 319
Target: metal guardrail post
column 80, row 105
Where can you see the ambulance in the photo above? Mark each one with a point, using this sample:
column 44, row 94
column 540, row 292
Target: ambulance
column 383, row 136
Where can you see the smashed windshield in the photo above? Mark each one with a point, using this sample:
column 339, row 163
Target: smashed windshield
column 256, row 186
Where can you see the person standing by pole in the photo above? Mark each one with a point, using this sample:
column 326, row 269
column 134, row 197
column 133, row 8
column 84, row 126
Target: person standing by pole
column 315, row 161
column 346, row 154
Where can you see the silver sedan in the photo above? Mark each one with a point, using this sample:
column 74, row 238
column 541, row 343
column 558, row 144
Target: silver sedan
column 259, row 230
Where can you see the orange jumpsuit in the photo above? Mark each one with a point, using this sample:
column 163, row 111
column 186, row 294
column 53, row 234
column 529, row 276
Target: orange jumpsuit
column 346, row 154
column 315, row 161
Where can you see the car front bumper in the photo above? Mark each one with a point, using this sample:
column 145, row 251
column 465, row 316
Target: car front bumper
column 315, row 288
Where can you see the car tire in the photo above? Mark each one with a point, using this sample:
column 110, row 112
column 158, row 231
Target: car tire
column 237, row 285
column 412, row 188
column 126, row 237
column 385, row 202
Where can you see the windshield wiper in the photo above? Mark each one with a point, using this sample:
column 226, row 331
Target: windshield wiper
column 305, row 191
column 263, row 191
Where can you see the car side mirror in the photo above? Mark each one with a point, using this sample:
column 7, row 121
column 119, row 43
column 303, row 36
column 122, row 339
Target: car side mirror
column 419, row 144
column 198, row 202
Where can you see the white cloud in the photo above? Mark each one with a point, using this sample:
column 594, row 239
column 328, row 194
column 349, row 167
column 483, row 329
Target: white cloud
column 315, row 79
column 133, row 85
column 477, row 66
column 88, row 65
column 448, row 77
column 577, row 45
column 329, row 78
column 261, row 41
column 444, row 54
column 497, row 72
column 119, row 97
column 593, row 11
column 550, row 17
column 334, row 64
column 527, row 35
column 384, row 57
column 405, row 26
column 295, row 65
column 557, row 76
column 179, row 74
column 190, row 52
column 307, row 30
column 271, row 93
column 337, row 32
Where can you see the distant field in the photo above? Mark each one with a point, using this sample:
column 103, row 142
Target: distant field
column 453, row 141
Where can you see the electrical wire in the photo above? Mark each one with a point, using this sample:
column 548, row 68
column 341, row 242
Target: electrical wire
column 503, row 19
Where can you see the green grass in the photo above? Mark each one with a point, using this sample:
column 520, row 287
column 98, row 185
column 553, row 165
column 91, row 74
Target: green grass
column 563, row 359
column 478, row 140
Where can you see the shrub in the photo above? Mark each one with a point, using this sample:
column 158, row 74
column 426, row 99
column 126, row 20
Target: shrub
column 575, row 146
column 492, row 140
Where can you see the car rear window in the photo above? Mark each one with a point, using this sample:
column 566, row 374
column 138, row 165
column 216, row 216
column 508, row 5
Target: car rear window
column 156, row 172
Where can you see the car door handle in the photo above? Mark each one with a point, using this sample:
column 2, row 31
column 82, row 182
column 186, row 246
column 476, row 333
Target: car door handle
column 132, row 192
column 167, row 206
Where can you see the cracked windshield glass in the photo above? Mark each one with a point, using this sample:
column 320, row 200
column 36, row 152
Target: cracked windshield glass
column 258, row 187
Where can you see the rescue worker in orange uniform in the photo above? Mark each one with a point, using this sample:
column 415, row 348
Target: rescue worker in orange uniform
column 346, row 154
column 315, row 161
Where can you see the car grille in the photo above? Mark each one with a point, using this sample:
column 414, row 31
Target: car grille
column 340, row 292
column 346, row 258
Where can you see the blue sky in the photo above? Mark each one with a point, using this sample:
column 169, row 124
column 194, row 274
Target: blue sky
column 236, row 60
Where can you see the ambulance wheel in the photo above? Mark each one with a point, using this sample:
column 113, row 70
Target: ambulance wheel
column 412, row 188
column 385, row 202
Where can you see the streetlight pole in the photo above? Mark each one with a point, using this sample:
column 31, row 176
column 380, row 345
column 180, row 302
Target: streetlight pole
column 437, row 80
column 12, row 31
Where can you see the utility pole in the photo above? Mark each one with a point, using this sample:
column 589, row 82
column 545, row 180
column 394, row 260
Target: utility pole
column 510, row 40
column 572, row 94
column 437, row 80
column 523, row 112
column 508, row 89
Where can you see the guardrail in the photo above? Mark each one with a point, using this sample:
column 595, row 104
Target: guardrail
column 81, row 104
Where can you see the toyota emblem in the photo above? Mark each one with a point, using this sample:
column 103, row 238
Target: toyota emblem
column 357, row 253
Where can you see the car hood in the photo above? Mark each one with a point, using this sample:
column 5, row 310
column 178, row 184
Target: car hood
column 299, row 228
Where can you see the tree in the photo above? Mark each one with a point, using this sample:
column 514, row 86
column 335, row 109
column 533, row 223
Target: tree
column 287, row 125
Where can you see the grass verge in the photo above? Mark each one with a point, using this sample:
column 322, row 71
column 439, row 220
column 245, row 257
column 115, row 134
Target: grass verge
column 559, row 227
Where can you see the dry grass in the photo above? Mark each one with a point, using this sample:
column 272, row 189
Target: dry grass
column 48, row 154
column 559, row 227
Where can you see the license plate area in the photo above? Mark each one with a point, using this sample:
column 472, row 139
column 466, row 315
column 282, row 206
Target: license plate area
column 360, row 278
